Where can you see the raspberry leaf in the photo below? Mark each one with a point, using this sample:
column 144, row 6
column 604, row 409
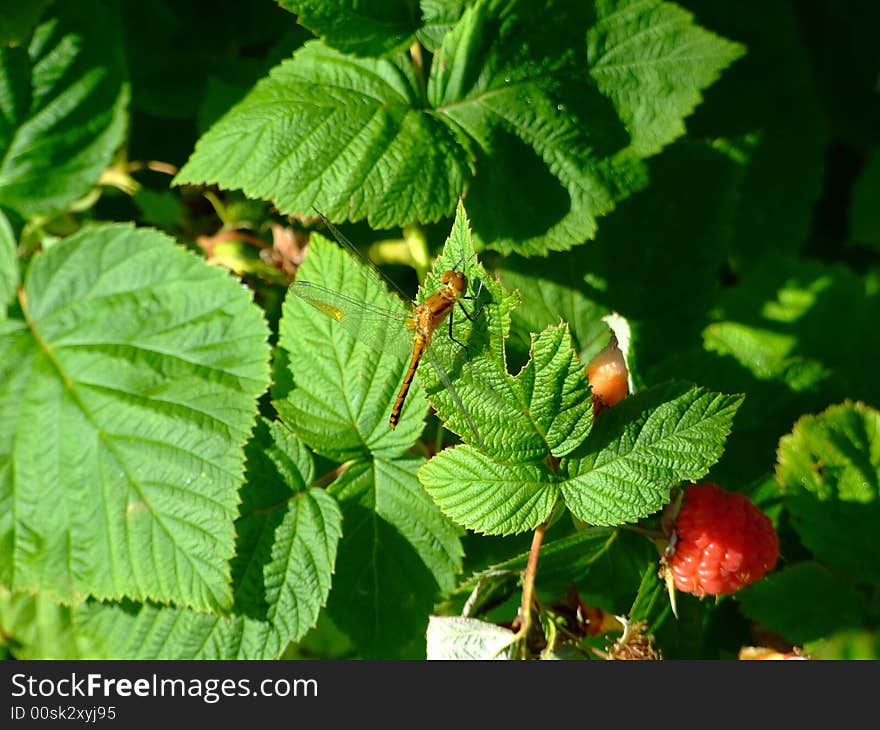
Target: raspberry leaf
column 8, row 264
column 372, row 28
column 785, row 602
column 544, row 409
column 343, row 388
column 64, row 99
column 654, row 84
column 829, row 470
column 645, row 445
column 127, row 391
column 504, row 102
column 564, row 561
column 397, row 545
column 497, row 499
column 285, row 555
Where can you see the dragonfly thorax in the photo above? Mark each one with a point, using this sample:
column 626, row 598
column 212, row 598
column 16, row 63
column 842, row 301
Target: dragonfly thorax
column 455, row 281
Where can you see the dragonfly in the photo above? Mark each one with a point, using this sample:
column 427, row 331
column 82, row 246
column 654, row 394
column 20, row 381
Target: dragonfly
column 371, row 324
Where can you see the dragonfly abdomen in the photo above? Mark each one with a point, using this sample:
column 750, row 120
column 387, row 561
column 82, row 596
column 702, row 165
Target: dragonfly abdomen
column 426, row 318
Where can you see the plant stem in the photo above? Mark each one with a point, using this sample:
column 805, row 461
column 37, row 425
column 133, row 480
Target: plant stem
column 525, row 609
column 415, row 52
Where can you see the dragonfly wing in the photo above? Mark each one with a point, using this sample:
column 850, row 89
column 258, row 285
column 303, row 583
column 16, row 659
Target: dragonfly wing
column 382, row 329
column 453, row 393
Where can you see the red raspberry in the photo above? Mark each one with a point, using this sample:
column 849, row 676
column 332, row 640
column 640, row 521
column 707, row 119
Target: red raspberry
column 722, row 542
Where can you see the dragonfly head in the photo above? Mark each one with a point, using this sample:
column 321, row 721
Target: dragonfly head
column 455, row 280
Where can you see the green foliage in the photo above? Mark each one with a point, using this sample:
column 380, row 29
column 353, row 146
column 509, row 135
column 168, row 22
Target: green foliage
column 775, row 122
column 696, row 179
column 8, row 264
column 829, row 469
column 397, row 545
column 513, row 87
column 649, row 443
column 787, row 602
column 63, row 101
column 285, row 552
column 127, row 392
column 371, row 28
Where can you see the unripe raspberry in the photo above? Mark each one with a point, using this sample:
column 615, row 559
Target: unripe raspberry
column 722, row 542
column 608, row 376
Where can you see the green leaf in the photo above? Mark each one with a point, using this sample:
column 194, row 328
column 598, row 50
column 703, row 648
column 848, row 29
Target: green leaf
column 615, row 575
column 482, row 495
column 800, row 322
column 550, row 292
column 285, row 554
column 35, row 627
column 63, row 107
column 864, row 215
column 162, row 209
column 545, row 408
column 563, row 561
column 297, row 579
column 19, row 18
column 565, row 135
column 8, row 264
column 370, row 28
column 785, row 602
column 348, row 131
column 790, row 335
column 767, row 106
column 652, row 61
column 829, row 469
column 513, row 76
column 556, row 391
column 344, row 387
column 438, row 18
column 126, row 395
column 397, row 553
column 688, row 206
column 457, row 637
column 651, row 603
column 509, row 102
column 643, row 447
column 847, row 644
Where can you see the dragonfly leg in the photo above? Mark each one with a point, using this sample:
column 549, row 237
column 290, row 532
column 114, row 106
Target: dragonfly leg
column 453, row 337
column 473, row 298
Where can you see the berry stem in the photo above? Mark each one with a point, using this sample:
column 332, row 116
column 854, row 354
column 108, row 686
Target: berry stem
column 525, row 610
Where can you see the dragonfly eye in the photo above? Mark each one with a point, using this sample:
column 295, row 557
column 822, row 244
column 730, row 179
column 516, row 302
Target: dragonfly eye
column 455, row 279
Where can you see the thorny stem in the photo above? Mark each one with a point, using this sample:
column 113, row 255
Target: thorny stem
column 525, row 610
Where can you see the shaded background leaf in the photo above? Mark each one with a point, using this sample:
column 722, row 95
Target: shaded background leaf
column 368, row 28
column 63, row 108
column 397, row 554
column 829, row 469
